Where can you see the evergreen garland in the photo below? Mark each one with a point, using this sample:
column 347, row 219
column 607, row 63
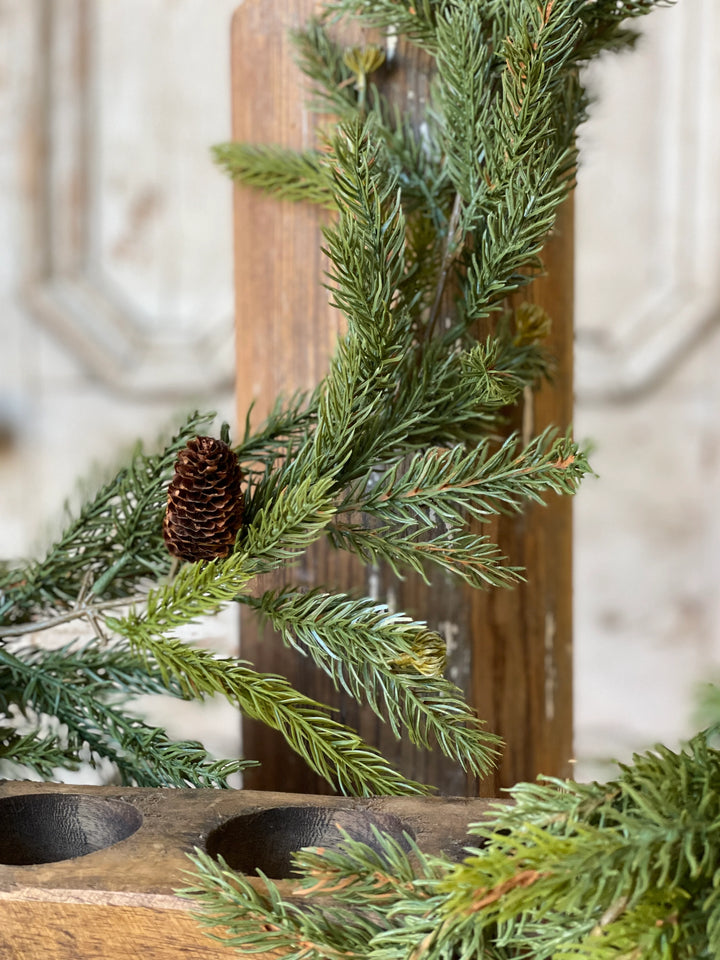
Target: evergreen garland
column 402, row 439
column 403, row 434
column 618, row 871
column 390, row 457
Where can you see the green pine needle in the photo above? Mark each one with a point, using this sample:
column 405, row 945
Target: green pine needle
column 396, row 456
column 333, row 750
column 388, row 661
column 284, row 174
column 626, row 869
column 87, row 691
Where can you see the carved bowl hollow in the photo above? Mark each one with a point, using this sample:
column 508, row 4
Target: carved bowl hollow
column 265, row 840
column 45, row 828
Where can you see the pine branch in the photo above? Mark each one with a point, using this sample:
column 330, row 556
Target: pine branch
column 446, row 401
column 352, row 632
column 366, row 247
column 387, row 661
column 449, row 484
column 465, row 96
column 527, row 165
column 113, row 545
column 286, row 524
column 464, row 207
column 39, row 752
column 322, row 62
column 334, row 751
column 278, row 533
column 594, row 871
column 472, row 558
column 289, row 421
column 87, row 690
column 347, row 421
column 566, row 854
column 415, row 22
column 605, row 24
column 498, row 370
column 300, row 177
column 232, row 904
column 415, row 158
column 198, row 589
column 338, row 925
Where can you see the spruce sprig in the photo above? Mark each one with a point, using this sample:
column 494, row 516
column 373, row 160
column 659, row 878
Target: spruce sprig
column 598, row 871
column 42, row 753
column 471, row 557
column 587, row 858
column 110, row 548
column 333, row 750
column 87, row 690
column 321, row 60
column 464, row 97
column 285, row 174
column 452, row 483
column 288, row 424
column 527, row 165
column 417, row 22
column 604, row 21
column 387, row 660
column 367, row 245
column 325, row 914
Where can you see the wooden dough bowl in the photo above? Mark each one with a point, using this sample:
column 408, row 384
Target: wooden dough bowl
column 90, row 872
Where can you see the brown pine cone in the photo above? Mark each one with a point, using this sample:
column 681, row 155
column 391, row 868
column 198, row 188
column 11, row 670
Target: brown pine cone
column 205, row 503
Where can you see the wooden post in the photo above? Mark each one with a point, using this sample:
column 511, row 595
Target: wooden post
column 522, row 638
column 509, row 650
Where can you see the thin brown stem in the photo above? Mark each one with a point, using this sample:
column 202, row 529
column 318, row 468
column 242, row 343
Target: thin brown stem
column 452, row 246
column 89, row 611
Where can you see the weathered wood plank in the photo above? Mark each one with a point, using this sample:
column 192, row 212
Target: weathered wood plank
column 40, row 929
column 511, row 651
column 118, row 901
column 522, row 666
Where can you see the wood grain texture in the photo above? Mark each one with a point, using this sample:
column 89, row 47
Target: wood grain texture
column 522, row 667
column 41, row 930
column 119, row 901
column 510, row 653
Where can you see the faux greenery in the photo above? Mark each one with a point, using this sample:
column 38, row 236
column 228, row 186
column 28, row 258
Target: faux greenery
column 623, row 870
column 398, row 455
column 617, row 871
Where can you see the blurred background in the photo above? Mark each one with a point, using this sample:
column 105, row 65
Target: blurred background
column 116, row 317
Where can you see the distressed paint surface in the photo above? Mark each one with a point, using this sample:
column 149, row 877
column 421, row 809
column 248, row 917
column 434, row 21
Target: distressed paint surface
column 647, row 558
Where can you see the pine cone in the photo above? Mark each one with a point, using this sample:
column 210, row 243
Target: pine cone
column 205, row 503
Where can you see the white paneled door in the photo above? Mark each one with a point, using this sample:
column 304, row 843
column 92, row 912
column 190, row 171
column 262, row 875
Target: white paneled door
column 116, row 291
column 647, row 555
